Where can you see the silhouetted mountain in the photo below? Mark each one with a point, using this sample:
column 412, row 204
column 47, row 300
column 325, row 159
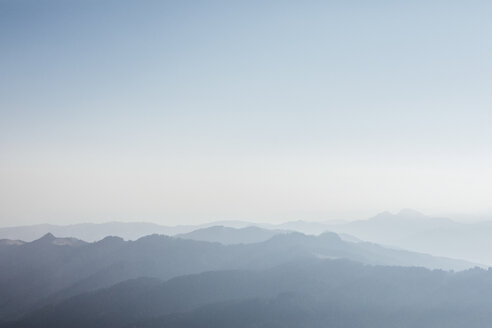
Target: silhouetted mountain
column 60, row 267
column 96, row 231
column 415, row 231
column 134, row 230
column 310, row 228
column 49, row 238
column 230, row 236
column 92, row 232
column 303, row 293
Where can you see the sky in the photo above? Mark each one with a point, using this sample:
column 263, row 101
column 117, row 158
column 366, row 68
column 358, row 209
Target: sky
column 190, row 111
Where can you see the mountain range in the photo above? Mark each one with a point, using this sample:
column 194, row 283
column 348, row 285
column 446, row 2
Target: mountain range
column 407, row 229
column 51, row 269
column 415, row 231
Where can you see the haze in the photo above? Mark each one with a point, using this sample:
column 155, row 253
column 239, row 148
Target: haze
column 177, row 112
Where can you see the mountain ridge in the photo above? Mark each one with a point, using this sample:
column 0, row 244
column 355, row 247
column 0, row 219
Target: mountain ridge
column 44, row 269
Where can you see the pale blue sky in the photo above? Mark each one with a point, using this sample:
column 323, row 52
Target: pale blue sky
column 189, row 111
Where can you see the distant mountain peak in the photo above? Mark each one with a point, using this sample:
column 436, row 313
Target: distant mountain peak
column 330, row 236
column 384, row 213
column 405, row 213
column 49, row 237
column 408, row 212
column 230, row 236
column 112, row 239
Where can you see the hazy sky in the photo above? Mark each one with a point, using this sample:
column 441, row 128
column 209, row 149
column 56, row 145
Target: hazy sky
column 191, row 111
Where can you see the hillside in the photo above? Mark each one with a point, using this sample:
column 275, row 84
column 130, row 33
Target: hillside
column 57, row 268
column 303, row 293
